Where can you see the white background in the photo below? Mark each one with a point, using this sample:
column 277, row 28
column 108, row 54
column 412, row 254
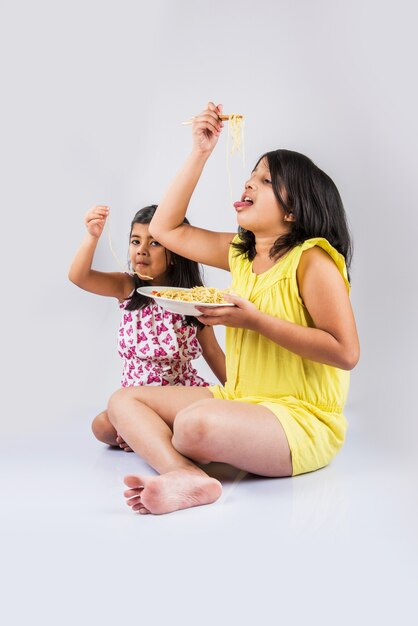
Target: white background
column 93, row 94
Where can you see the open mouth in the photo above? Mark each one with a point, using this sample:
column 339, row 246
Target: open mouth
column 244, row 202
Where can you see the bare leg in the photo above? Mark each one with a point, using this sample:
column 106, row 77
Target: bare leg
column 144, row 418
column 106, row 433
column 245, row 435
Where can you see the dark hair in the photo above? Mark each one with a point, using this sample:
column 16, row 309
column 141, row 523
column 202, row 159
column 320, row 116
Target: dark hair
column 181, row 272
column 313, row 199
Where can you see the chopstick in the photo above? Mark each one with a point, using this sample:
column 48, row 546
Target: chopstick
column 223, row 118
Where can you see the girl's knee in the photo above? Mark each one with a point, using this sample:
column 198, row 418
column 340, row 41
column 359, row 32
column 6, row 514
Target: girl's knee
column 192, row 431
column 103, row 429
column 115, row 404
column 122, row 398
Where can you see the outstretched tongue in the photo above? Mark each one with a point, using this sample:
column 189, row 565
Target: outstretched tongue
column 239, row 205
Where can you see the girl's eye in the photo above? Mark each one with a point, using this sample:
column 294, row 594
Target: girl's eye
column 135, row 242
column 268, row 181
column 155, row 243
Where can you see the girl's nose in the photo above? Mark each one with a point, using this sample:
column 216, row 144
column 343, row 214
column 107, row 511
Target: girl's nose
column 142, row 249
column 249, row 184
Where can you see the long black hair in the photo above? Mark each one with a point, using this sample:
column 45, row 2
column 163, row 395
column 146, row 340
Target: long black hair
column 311, row 196
column 181, row 272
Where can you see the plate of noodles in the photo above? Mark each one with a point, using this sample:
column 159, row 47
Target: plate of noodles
column 184, row 301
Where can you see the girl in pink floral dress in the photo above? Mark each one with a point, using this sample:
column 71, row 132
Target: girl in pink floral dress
column 157, row 347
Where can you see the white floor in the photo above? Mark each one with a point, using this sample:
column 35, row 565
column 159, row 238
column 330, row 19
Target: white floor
column 338, row 546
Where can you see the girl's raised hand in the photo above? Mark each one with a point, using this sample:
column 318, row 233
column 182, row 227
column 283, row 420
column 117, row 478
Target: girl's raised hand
column 206, row 128
column 95, row 220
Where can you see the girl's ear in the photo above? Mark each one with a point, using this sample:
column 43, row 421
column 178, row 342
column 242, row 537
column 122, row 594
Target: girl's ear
column 289, row 217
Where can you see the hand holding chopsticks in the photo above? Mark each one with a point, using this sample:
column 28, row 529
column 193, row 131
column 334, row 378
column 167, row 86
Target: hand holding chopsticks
column 223, row 118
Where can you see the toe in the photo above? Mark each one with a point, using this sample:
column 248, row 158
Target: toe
column 134, row 502
column 130, row 493
column 134, row 482
column 140, row 508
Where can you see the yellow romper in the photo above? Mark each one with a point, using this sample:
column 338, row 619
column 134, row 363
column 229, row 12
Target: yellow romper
column 307, row 397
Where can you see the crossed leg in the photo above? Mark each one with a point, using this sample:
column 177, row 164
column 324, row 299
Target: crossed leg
column 105, row 432
column 170, row 427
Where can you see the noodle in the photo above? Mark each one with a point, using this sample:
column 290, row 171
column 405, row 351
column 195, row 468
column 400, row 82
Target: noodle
column 236, row 135
column 204, row 295
column 115, row 256
column 234, row 143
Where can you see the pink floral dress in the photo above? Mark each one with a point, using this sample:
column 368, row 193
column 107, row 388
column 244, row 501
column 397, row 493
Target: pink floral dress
column 157, row 348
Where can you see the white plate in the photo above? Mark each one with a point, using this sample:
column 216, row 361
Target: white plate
column 177, row 306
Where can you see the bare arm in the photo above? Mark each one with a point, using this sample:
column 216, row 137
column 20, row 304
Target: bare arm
column 198, row 244
column 212, row 352
column 114, row 284
column 333, row 339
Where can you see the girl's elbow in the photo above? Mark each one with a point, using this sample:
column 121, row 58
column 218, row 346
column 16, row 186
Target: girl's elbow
column 74, row 278
column 350, row 359
column 155, row 231
column 71, row 277
column 161, row 232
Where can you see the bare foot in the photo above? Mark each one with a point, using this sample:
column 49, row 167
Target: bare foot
column 179, row 489
column 122, row 444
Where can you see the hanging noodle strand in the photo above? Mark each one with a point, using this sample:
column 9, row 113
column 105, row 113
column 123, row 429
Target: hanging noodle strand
column 234, row 144
column 122, row 266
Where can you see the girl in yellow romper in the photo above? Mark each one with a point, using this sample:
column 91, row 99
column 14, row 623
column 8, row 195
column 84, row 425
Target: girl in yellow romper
column 291, row 337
